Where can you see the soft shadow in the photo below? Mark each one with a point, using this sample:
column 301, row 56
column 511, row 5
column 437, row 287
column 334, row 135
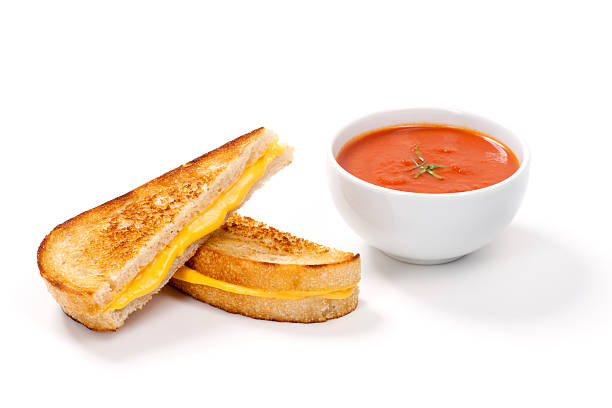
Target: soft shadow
column 521, row 275
column 172, row 317
column 166, row 320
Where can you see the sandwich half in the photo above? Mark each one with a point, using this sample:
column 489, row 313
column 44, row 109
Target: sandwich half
column 107, row 262
column 248, row 268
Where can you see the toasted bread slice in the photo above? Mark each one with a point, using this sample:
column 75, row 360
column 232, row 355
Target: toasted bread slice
column 282, row 269
column 89, row 259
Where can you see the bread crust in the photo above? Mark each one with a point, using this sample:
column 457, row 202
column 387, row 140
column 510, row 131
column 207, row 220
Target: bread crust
column 307, row 310
column 86, row 260
column 249, row 253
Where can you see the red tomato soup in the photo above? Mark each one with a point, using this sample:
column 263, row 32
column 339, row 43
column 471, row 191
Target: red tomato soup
column 428, row 158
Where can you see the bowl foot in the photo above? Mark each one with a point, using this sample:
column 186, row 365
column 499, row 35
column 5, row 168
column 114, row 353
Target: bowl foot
column 422, row 261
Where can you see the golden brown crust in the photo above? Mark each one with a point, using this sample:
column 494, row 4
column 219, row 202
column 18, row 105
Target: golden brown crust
column 307, row 310
column 87, row 259
column 249, row 253
column 271, row 242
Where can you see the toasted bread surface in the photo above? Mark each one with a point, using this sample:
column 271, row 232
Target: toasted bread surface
column 249, row 253
column 307, row 310
column 86, row 260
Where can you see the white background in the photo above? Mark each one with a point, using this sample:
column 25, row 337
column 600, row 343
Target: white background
column 99, row 97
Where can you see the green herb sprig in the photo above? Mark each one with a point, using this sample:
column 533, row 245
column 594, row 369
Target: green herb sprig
column 422, row 165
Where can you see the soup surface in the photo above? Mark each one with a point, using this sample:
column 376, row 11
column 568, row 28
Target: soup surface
column 428, row 158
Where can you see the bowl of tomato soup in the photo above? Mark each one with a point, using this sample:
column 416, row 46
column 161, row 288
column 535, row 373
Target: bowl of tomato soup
column 427, row 186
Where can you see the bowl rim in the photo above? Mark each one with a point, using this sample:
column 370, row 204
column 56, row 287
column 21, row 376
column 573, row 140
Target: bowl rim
column 523, row 165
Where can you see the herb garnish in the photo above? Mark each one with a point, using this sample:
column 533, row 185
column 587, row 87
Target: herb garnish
column 423, row 166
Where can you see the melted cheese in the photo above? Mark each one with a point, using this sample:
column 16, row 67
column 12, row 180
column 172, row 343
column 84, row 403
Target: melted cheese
column 209, row 220
column 192, row 276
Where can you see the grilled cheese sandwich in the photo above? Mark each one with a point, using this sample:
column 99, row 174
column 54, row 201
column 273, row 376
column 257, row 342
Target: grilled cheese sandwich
column 93, row 263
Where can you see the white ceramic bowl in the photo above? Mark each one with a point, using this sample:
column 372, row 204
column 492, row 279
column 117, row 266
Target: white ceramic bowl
column 427, row 228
